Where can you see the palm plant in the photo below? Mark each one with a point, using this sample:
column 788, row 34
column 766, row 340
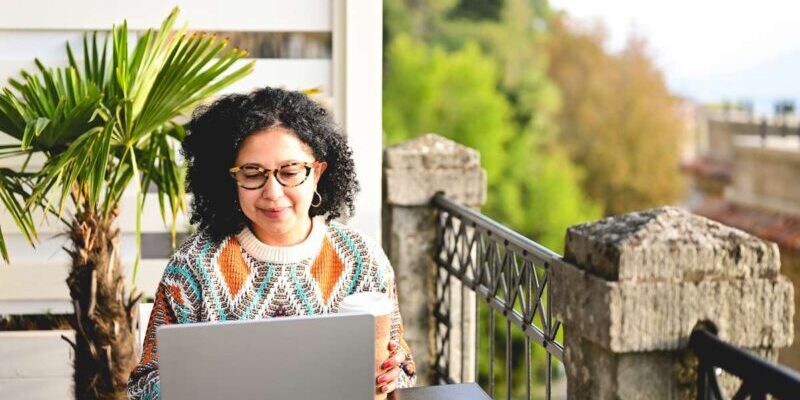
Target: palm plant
column 102, row 125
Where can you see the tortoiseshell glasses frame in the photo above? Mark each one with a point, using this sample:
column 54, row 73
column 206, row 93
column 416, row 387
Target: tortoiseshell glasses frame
column 254, row 176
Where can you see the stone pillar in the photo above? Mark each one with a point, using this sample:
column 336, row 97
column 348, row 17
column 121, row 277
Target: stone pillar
column 414, row 172
column 636, row 285
column 790, row 261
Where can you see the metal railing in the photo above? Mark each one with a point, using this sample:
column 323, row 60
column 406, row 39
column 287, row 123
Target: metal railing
column 759, row 377
column 509, row 275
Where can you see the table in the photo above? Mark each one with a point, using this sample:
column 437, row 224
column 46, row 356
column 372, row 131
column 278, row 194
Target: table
column 462, row 391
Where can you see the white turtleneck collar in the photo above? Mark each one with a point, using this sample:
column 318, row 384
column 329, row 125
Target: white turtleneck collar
column 285, row 254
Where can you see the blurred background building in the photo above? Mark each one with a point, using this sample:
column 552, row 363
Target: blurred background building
column 746, row 174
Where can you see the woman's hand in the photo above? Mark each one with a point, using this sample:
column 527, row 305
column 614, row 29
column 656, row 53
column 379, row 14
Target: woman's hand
column 387, row 382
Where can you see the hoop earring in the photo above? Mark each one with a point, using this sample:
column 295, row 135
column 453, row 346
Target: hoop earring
column 319, row 202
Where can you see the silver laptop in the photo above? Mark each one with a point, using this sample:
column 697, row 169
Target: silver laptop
column 321, row 357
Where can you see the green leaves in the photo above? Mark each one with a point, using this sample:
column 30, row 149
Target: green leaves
column 109, row 118
column 49, row 109
column 533, row 186
column 188, row 75
column 33, row 129
column 11, row 190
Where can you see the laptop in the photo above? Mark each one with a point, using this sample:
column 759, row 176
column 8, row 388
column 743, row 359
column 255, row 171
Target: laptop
column 307, row 357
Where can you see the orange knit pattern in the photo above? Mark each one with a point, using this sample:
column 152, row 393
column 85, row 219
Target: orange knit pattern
column 233, row 268
column 160, row 307
column 327, row 269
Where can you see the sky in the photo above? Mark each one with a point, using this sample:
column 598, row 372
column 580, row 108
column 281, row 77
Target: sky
column 710, row 50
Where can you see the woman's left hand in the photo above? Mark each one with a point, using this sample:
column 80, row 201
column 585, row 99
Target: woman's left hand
column 387, row 382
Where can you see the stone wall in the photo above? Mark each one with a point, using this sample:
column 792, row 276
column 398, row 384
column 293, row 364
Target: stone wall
column 790, row 265
column 638, row 284
column 414, row 172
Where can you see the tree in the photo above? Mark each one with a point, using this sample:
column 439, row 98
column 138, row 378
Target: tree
column 618, row 121
column 510, row 32
column 484, row 84
column 533, row 187
column 489, row 82
column 102, row 126
column 562, row 83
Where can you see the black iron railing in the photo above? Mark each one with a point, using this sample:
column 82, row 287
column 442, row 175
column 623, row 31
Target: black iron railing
column 758, row 376
column 509, row 276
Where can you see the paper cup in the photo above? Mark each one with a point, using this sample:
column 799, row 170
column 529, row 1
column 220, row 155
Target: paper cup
column 379, row 305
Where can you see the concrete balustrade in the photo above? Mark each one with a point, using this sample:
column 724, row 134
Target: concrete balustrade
column 638, row 284
column 633, row 288
column 414, row 172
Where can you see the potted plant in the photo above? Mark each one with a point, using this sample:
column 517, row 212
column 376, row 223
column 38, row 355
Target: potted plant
column 102, row 124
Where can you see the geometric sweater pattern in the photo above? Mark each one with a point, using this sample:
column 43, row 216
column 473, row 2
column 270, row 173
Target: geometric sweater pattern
column 241, row 278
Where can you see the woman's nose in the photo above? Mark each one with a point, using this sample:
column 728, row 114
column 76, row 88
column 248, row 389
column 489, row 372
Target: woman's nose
column 272, row 189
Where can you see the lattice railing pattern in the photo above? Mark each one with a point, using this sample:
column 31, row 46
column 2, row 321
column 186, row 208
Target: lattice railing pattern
column 504, row 270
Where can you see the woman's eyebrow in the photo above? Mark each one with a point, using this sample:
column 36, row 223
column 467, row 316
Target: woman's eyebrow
column 280, row 163
column 251, row 164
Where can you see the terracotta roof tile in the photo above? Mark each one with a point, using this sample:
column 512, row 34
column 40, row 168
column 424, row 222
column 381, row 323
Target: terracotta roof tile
column 780, row 228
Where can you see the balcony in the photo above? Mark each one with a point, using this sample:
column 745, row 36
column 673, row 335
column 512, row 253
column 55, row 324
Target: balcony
column 654, row 304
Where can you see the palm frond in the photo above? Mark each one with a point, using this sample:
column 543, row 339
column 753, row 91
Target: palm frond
column 11, row 191
column 46, row 116
column 193, row 71
column 165, row 173
column 109, row 119
column 68, row 173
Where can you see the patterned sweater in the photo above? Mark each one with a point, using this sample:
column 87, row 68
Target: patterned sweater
column 242, row 278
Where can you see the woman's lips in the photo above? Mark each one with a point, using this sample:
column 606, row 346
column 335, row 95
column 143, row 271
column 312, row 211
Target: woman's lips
column 274, row 212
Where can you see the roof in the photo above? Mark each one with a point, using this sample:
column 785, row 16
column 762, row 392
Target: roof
column 783, row 229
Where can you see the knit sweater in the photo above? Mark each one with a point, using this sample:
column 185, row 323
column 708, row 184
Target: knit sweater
column 241, row 278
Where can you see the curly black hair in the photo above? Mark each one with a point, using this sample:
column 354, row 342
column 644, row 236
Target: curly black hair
column 217, row 130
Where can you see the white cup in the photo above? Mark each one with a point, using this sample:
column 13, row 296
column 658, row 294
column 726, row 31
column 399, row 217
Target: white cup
column 379, row 305
column 373, row 303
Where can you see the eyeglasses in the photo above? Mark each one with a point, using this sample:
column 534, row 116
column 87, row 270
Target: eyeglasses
column 252, row 176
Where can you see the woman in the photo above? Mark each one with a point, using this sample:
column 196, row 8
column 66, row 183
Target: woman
column 269, row 172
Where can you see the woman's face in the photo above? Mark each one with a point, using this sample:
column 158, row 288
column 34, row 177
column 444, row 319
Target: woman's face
column 278, row 214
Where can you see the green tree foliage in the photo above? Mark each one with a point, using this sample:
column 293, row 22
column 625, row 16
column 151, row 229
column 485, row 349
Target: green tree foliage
column 509, row 32
column 478, row 9
column 482, row 82
column 423, row 20
column 611, row 113
column 456, row 94
column 554, row 115
column 453, row 94
column 619, row 121
column 533, row 187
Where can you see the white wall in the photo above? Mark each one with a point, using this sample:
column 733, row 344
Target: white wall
column 357, row 82
column 36, row 365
